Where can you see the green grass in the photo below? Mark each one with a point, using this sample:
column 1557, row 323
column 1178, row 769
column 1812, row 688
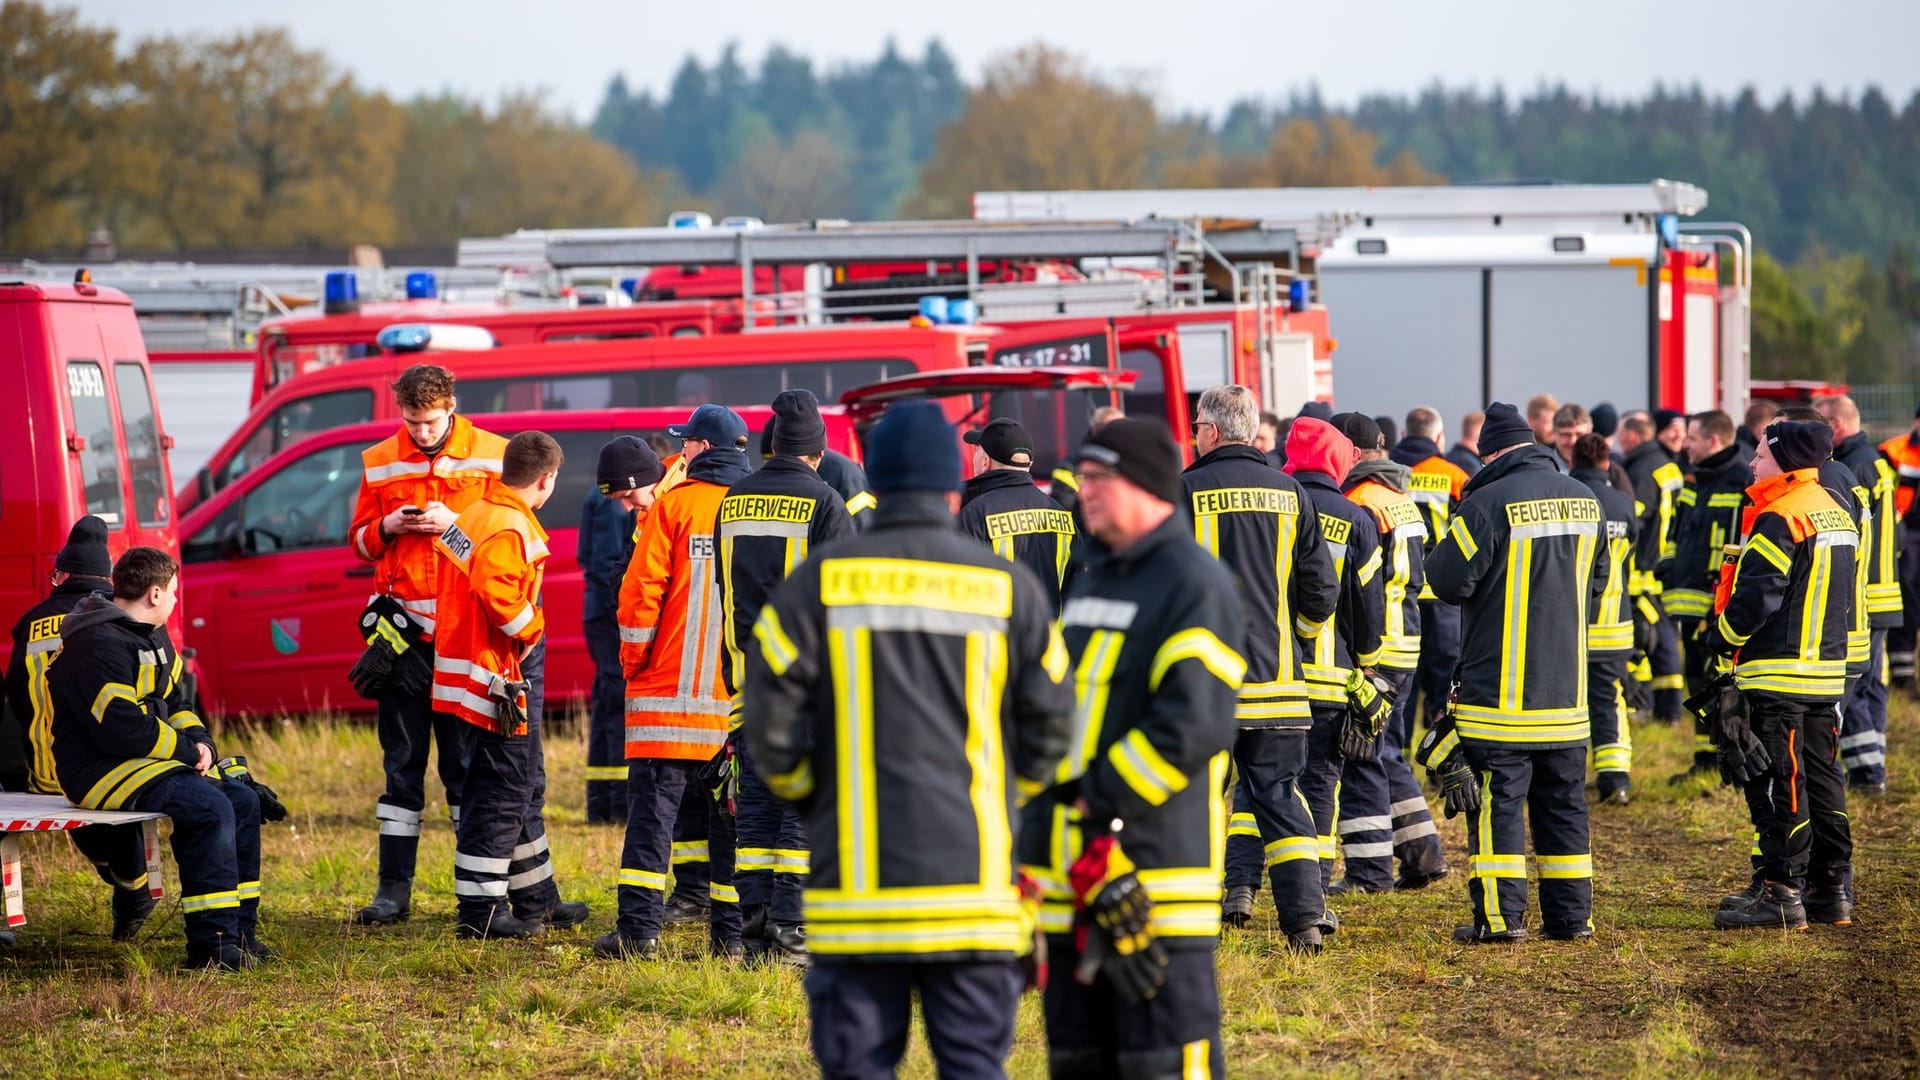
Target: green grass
column 1656, row 993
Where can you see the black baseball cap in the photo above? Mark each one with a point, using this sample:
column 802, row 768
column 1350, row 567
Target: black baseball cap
column 1005, row 441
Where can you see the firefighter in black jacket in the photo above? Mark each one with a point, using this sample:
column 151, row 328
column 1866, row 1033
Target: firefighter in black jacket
column 1783, row 617
column 1003, row 509
column 1343, row 650
column 1260, row 524
column 1524, row 559
column 1127, row 847
column 125, row 737
column 1609, row 626
column 81, row 569
column 624, row 477
column 768, row 524
column 1863, row 733
column 1657, row 483
column 1709, row 519
column 905, row 688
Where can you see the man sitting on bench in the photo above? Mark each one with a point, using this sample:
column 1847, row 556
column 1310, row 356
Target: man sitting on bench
column 125, row 737
column 81, row 569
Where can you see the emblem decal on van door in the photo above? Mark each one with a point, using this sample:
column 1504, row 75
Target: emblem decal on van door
column 286, row 635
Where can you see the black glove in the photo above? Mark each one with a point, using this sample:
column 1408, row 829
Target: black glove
column 1369, row 704
column 395, row 660
column 1740, row 753
column 1116, row 923
column 234, row 770
column 1440, row 751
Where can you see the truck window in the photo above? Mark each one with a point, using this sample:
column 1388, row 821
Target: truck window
column 100, row 458
column 308, row 504
column 150, row 498
column 728, row 384
column 288, row 361
column 610, row 390
column 290, row 422
column 1058, row 422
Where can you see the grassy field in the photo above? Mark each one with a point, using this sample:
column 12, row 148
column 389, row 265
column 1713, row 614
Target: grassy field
column 1655, row 993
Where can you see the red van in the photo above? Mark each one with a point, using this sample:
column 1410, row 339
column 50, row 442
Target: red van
column 272, row 591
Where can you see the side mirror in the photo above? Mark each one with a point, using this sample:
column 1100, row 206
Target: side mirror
column 203, row 483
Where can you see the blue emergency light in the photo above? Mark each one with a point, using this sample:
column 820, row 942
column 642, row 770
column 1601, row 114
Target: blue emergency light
column 933, row 309
column 422, row 286
column 1299, row 296
column 1669, row 230
column 341, row 292
column 630, row 286
column 960, row 313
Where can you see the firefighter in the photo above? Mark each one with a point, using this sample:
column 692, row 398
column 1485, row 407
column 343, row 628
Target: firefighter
column 1863, row 735
column 1339, row 656
column 624, row 478
column 415, row 484
column 1609, row 626
column 769, row 523
column 489, row 631
column 1903, row 453
column 1783, row 620
column 912, row 885
column 1709, row 519
column 1379, row 795
column 1127, row 845
column 1065, row 487
column 1436, row 485
column 81, row 568
column 1258, row 522
column 677, row 703
column 1657, row 482
column 838, row 471
column 1002, row 508
column 125, row 737
column 1524, row 559
column 1465, row 451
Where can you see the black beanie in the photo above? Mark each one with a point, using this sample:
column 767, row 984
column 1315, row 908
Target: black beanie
column 1664, row 418
column 797, row 428
column 1319, row 410
column 627, row 463
column 1361, row 430
column 1142, row 450
column 912, row 448
column 1606, row 420
column 85, row 551
column 1799, row 444
column 1504, row 427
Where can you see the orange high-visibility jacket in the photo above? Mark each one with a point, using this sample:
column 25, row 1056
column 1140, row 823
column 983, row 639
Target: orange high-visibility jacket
column 671, row 626
column 1904, row 452
column 398, row 474
column 489, row 604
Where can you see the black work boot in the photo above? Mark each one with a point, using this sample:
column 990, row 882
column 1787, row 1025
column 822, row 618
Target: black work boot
column 1828, row 904
column 130, row 910
column 684, row 909
column 1306, row 942
column 613, row 946
column 1613, row 787
column 392, row 903
column 1237, row 909
column 1419, row 877
column 1778, row 907
column 1480, row 935
column 787, row 943
column 564, row 915
column 1348, row 885
column 496, row 923
column 226, row 955
column 1745, row 896
column 1329, row 923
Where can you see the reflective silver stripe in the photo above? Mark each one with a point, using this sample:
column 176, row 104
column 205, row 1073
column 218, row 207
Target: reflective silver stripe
column 479, row 675
column 886, row 617
column 360, row 541
column 380, row 474
column 692, row 706
column 531, row 877
column 468, row 700
column 421, row 607
column 710, row 616
column 1554, row 528
column 1414, row 832
column 530, row 849
column 1369, row 851
column 51, row 644
column 496, row 887
column 399, row 828
column 444, row 466
column 764, row 528
column 1910, row 472
column 695, row 736
column 479, row 864
column 1365, row 824
column 1408, row 806
column 536, row 550
column 699, row 575
column 1865, row 738
column 633, row 636
column 518, row 622
column 389, row 812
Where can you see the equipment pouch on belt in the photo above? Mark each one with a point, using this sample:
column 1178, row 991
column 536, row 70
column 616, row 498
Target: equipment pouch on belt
column 1369, row 703
column 396, row 659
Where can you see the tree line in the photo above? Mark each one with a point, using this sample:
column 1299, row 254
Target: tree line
column 249, row 141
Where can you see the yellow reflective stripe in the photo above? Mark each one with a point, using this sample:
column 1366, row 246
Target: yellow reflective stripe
column 107, row 695
column 850, row 651
column 606, row 772
column 1243, row 824
column 249, row 890
column 1770, row 551
column 1292, row 849
column 722, row 894
column 121, row 781
column 1462, row 538
column 1814, row 616
column 917, row 938
column 1196, row 1060
column 1149, row 775
column 1369, row 568
column 686, row 851
column 794, row 784
column 1198, row 643
column 165, row 743
column 775, row 646
column 1726, row 499
column 860, row 503
column 642, row 879
column 986, row 680
column 1200, row 919
column 1564, row 866
column 1687, row 603
column 1055, row 660
column 1497, row 866
column 1091, row 676
column 213, row 901
column 1727, row 631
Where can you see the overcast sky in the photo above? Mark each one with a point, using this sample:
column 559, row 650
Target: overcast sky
column 1200, row 56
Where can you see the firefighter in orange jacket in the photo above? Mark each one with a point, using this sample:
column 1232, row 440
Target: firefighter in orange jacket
column 416, row 483
column 671, row 625
column 487, row 673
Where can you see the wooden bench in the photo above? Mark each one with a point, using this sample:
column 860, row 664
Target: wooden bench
column 21, row 812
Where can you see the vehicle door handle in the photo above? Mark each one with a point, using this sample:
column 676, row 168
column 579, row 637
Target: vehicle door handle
column 360, row 571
